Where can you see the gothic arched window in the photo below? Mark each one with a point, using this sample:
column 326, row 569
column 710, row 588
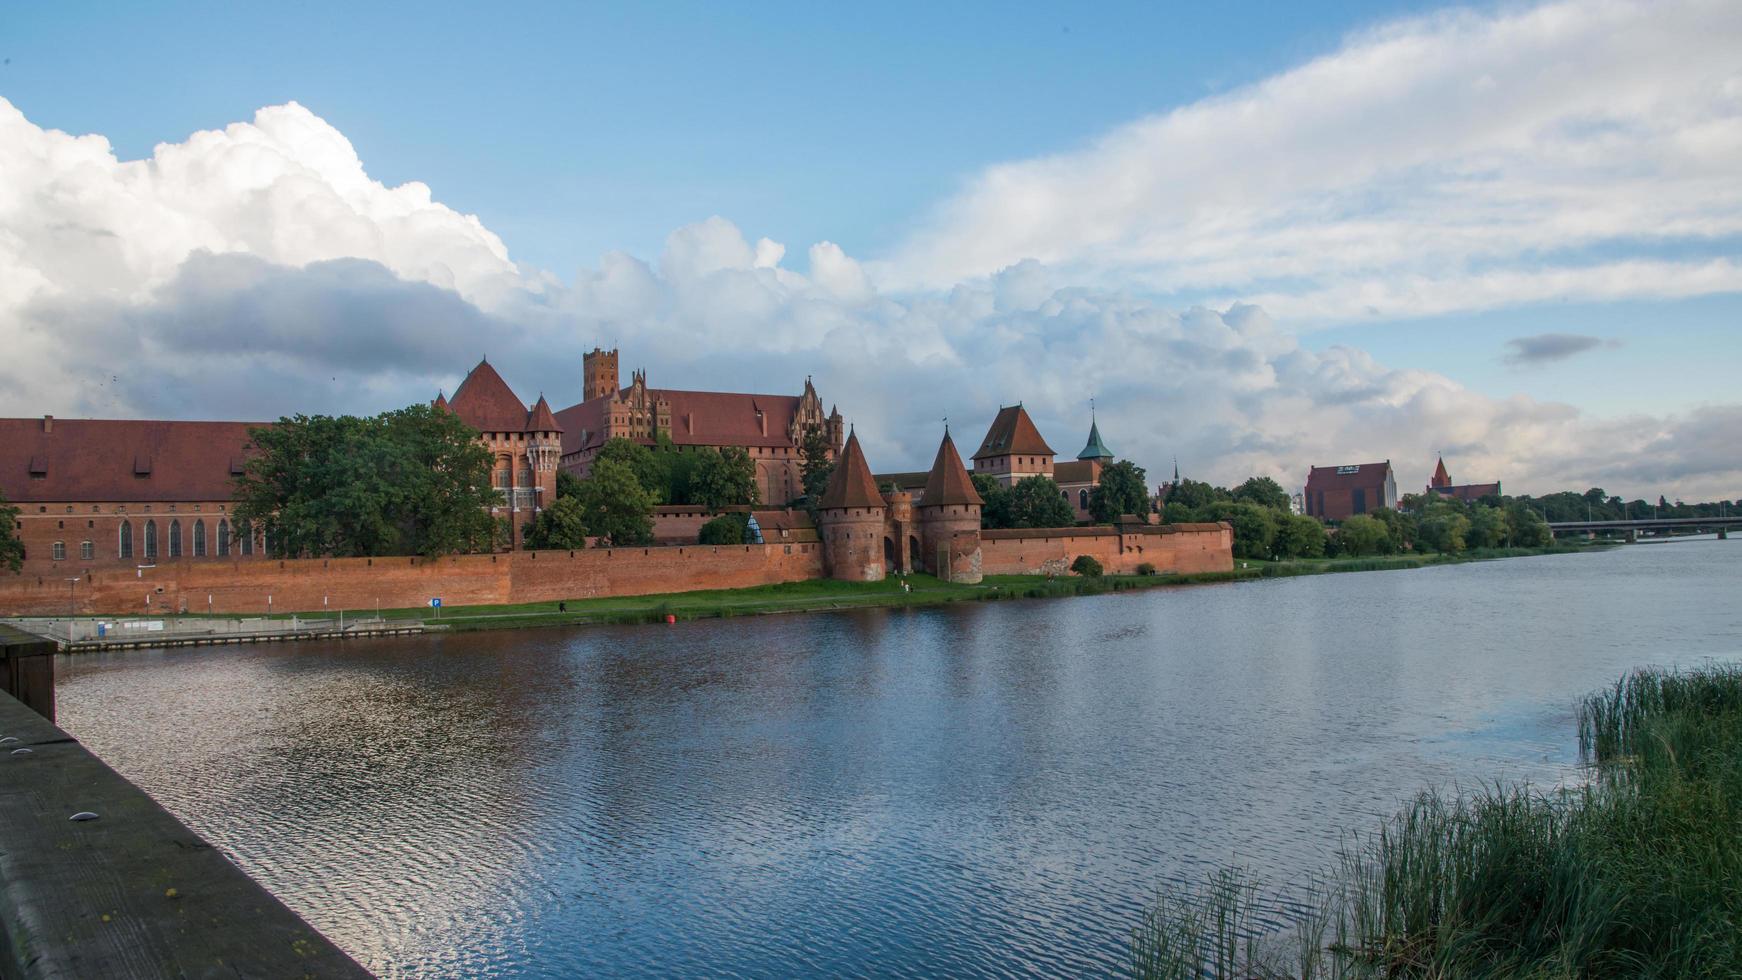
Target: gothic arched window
column 1083, row 498
column 223, row 538
column 126, row 539
column 175, row 538
column 150, row 540
column 199, row 539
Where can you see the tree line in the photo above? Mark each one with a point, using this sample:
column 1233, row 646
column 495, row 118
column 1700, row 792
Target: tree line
column 1038, row 501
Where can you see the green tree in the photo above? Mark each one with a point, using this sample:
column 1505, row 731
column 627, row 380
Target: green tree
column 1362, row 535
column 1194, row 495
column 650, row 471
column 562, row 525
column 1264, row 492
column 723, row 477
column 1298, row 536
column 1400, row 526
column 11, row 548
column 1489, row 528
column 1529, row 530
column 567, row 484
column 414, row 481
column 1037, row 501
column 1123, row 489
column 726, row 529
column 615, row 506
column 1254, row 527
column 995, row 507
column 815, row 465
column 1444, row 532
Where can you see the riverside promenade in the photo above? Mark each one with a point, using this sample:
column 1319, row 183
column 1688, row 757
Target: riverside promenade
column 87, row 634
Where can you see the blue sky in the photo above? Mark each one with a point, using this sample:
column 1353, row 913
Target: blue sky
column 1158, row 155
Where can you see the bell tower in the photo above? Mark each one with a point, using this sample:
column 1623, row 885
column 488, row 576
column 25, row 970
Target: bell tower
column 599, row 374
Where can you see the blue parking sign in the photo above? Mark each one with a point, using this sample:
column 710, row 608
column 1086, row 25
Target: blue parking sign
column 435, row 603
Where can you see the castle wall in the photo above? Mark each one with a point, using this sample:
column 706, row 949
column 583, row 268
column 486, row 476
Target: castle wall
column 951, row 547
column 1171, row 548
column 311, row 585
column 853, row 539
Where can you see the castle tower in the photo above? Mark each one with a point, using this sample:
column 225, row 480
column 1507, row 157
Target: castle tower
column 949, row 519
column 850, row 519
column 1441, row 477
column 599, row 374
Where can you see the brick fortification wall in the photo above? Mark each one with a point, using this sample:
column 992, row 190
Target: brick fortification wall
column 1171, row 548
column 360, row 583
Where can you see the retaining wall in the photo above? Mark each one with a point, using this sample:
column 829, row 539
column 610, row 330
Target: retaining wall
column 1172, row 548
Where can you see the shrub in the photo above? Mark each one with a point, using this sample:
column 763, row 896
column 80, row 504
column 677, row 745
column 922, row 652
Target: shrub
column 1146, row 568
column 726, row 529
column 1087, row 566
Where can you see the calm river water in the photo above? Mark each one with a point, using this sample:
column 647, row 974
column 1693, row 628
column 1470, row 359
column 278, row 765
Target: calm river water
column 988, row 789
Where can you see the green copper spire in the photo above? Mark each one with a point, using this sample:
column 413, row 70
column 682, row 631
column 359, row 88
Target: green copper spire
column 1096, row 449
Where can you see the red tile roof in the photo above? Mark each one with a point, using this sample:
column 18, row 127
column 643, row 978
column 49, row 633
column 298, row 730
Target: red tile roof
column 120, row 460
column 541, row 418
column 851, row 484
column 1013, row 432
column 948, row 482
column 1074, row 471
column 698, row 418
column 486, row 403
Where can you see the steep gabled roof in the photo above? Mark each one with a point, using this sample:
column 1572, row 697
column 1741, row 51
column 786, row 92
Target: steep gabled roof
column 851, row 484
column 948, row 482
column 542, row 419
column 1096, row 449
column 1013, row 432
column 1348, row 476
column 1441, row 478
column 486, row 403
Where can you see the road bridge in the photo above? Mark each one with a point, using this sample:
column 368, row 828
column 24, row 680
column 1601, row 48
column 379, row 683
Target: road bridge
column 1652, row 525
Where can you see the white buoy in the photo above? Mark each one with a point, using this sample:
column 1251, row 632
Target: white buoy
column 82, row 816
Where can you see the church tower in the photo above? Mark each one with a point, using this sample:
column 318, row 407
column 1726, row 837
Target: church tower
column 1441, row 477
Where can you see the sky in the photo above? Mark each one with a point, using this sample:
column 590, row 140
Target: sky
column 1259, row 236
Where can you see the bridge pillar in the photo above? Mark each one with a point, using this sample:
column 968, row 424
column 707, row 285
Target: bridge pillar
column 1723, row 534
column 1632, row 535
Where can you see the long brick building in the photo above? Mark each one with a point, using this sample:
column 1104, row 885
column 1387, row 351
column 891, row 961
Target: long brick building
column 1335, row 493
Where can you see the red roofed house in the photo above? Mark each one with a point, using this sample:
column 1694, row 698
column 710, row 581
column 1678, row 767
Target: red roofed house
column 1468, row 492
column 93, row 492
column 771, row 428
column 526, row 443
column 1335, row 493
column 1013, row 449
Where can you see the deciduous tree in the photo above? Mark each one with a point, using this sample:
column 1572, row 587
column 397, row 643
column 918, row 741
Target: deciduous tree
column 1264, row 492
column 11, row 548
column 562, row 525
column 615, row 506
column 723, row 477
column 1123, row 489
column 1362, row 535
column 1037, row 501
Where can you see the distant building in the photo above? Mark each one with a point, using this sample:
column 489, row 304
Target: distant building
column 1334, row 493
column 770, row 428
column 1468, row 492
column 1079, row 478
column 1013, row 449
column 524, row 443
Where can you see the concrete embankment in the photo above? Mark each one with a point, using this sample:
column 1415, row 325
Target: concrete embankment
column 98, row 880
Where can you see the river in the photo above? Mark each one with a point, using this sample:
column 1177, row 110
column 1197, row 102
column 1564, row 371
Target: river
column 976, row 790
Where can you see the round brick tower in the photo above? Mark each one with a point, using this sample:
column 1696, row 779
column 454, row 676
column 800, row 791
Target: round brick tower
column 851, row 519
column 949, row 519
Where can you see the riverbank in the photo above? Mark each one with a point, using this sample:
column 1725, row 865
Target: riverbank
column 1637, row 872
column 817, row 594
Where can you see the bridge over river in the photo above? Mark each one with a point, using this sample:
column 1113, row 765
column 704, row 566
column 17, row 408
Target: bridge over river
column 1654, row 525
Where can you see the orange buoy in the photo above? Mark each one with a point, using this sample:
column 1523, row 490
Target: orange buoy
column 669, row 618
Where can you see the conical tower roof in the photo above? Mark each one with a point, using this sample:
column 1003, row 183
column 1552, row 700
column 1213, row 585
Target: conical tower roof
column 1441, row 477
column 948, row 482
column 542, row 418
column 486, row 403
column 851, row 484
column 1096, row 449
column 441, row 401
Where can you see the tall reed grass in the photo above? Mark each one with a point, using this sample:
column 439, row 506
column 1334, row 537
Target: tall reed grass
column 1637, row 873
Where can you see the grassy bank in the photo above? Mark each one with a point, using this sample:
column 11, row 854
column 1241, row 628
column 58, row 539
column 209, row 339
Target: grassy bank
column 1638, row 873
column 822, row 594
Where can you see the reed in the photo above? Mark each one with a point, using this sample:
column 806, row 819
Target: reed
column 1636, row 873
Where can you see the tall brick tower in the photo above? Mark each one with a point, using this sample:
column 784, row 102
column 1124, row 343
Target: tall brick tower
column 850, row 519
column 599, row 371
column 1440, row 478
column 949, row 518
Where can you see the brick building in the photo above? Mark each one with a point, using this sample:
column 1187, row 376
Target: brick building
column 1079, row 477
column 102, row 492
column 1013, row 449
column 868, row 534
column 1335, row 493
column 525, row 443
column 771, row 428
column 1441, row 483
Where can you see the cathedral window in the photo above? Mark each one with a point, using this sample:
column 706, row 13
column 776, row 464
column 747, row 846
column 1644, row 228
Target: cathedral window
column 199, row 539
column 126, row 542
column 223, row 538
column 150, row 540
column 175, row 539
